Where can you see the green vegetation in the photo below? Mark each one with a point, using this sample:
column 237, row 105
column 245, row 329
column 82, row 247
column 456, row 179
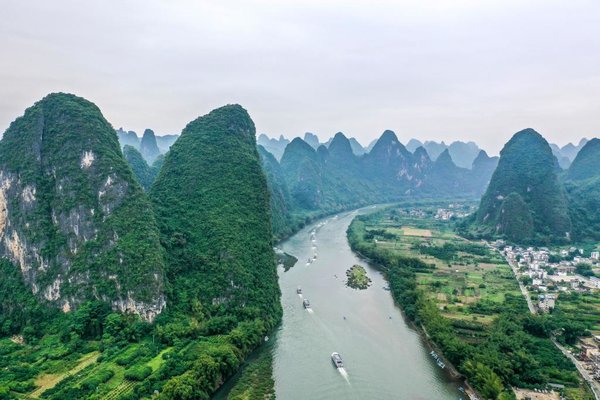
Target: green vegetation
column 212, row 227
column 285, row 259
column 280, row 200
column 466, row 300
column 583, row 191
column 144, row 173
column 357, row 277
column 525, row 200
column 587, row 163
column 577, row 315
column 256, row 381
column 311, row 183
column 80, row 226
column 212, row 206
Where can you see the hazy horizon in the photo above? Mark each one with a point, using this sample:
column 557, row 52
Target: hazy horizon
column 430, row 70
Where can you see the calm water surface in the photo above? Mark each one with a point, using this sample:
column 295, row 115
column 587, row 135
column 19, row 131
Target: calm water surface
column 384, row 358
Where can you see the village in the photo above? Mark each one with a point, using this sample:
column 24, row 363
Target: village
column 547, row 274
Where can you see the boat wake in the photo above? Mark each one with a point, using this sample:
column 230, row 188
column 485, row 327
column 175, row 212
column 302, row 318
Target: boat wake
column 344, row 374
column 300, row 295
column 310, row 310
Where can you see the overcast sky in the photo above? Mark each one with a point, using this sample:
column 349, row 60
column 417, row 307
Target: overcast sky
column 434, row 70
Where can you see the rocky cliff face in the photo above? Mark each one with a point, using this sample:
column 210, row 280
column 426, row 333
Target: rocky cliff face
column 72, row 218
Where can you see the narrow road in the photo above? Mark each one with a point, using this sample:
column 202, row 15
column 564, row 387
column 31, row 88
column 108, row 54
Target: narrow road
column 523, row 288
column 594, row 385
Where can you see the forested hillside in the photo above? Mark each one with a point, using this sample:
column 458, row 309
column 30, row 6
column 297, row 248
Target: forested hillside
column 281, row 213
column 212, row 206
column 491, row 339
column 73, row 220
column 334, row 178
column 582, row 182
column 525, row 199
column 78, row 232
column 144, row 173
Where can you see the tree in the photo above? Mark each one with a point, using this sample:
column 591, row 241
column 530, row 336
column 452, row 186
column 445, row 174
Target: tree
column 484, row 379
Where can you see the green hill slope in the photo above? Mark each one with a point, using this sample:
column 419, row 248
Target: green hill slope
column 212, row 206
column 527, row 168
column 73, row 219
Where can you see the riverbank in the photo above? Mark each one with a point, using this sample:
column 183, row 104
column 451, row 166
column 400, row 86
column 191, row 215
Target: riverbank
column 384, row 357
column 466, row 321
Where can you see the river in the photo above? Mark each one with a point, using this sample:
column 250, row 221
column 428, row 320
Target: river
column 384, row 357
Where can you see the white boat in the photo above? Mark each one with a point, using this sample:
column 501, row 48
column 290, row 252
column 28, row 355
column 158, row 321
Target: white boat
column 337, row 360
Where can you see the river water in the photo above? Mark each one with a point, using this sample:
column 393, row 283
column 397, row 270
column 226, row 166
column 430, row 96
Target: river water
column 384, row 358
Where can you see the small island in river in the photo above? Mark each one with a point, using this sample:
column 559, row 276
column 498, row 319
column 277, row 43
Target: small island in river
column 357, row 278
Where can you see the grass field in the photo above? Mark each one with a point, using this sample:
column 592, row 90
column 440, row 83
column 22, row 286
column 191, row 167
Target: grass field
column 466, row 273
column 48, row 381
column 581, row 307
column 32, row 370
column 468, row 301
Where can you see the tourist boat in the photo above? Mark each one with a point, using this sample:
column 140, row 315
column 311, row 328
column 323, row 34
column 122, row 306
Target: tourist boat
column 337, row 360
column 306, row 303
column 299, row 290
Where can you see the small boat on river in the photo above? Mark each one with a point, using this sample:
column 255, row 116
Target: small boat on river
column 337, row 360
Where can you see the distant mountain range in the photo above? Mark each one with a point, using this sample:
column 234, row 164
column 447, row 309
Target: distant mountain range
column 277, row 146
column 273, row 146
column 566, row 154
column 333, row 176
column 308, row 177
column 150, row 145
column 462, row 153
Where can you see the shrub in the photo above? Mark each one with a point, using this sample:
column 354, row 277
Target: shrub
column 138, row 373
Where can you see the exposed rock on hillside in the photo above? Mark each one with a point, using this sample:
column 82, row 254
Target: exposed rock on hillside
column 72, row 217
